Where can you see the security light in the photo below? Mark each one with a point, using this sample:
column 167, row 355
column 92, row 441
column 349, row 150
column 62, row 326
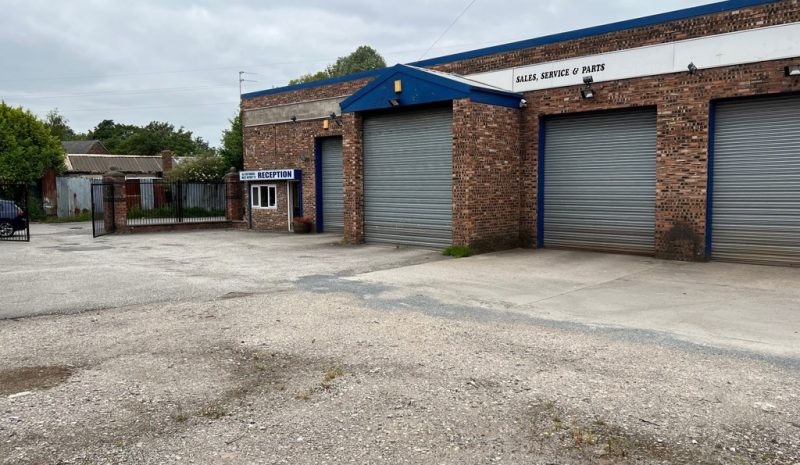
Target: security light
column 692, row 69
column 333, row 115
column 793, row 70
column 294, row 119
column 394, row 102
column 587, row 92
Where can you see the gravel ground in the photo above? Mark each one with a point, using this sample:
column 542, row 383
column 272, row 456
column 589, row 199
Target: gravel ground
column 310, row 374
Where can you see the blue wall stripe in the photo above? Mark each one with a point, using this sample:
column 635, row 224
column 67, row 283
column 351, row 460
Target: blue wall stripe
column 701, row 10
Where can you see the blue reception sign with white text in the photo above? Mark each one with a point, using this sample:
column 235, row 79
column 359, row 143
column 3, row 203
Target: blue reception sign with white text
column 270, row 175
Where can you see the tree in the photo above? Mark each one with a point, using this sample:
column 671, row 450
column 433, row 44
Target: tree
column 59, row 125
column 202, row 168
column 27, row 148
column 365, row 58
column 232, row 149
column 123, row 139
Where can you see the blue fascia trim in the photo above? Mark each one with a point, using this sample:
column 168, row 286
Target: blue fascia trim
column 540, row 186
column 645, row 21
column 422, row 87
column 306, row 85
column 318, row 182
column 300, row 193
column 712, row 124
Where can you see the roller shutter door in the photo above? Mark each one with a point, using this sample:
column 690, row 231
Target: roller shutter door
column 332, row 189
column 408, row 172
column 600, row 181
column 756, row 190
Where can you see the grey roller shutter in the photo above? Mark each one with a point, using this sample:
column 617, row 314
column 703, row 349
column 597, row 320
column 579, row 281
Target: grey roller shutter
column 332, row 189
column 408, row 176
column 600, row 181
column 756, row 190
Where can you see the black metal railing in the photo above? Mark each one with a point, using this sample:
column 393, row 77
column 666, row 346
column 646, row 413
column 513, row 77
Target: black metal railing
column 156, row 202
column 14, row 213
column 102, row 209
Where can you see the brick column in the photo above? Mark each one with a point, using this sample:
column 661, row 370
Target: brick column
column 166, row 161
column 115, row 200
column 234, row 204
column 353, row 171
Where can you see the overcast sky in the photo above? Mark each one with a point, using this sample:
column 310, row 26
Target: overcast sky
column 137, row 61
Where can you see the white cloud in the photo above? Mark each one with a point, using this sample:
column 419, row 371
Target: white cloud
column 116, row 51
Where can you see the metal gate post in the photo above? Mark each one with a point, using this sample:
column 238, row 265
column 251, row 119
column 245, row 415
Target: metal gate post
column 179, row 202
column 27, row 214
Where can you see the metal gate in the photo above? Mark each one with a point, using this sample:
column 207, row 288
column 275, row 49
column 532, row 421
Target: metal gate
column 599, row 181
column 408, row 177
column 755, row 209
column 332, row 188
column 14, row 213
column 102, row 217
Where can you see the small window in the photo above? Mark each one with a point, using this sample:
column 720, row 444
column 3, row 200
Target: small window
column 263, row 196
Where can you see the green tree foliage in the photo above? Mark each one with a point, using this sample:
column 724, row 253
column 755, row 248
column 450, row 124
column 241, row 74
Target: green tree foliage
column 59, row 125
column 202, row 168
column 365, row 58
column 27, row 148
column 232, row 145
column 124, row 139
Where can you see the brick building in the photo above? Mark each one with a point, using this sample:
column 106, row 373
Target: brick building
column 675, row 135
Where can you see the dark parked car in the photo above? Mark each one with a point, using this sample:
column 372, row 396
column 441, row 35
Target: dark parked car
column 12, row 218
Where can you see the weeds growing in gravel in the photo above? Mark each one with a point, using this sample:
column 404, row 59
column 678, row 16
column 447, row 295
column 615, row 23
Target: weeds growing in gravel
column 213, row 411
column 332, row 374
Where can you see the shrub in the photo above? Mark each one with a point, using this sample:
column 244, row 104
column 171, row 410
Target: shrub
column 457, row 251
column 201, row 168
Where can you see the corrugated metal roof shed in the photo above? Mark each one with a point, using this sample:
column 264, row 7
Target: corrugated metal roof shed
column 100, row 164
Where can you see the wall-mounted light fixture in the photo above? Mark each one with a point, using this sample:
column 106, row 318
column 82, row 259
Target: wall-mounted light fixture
column 294, row 119
column 692, row 69
column 793, row 70
column 395, row 102
column 335, row 118
column 326, row 124
column 398, row 86
column 587, row 92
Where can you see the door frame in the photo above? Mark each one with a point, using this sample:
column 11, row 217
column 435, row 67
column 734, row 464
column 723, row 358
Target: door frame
column 320, row 221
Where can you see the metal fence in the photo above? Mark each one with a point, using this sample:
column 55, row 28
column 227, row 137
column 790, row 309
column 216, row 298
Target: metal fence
column 102, row 200
column 14, row 224
column 159, row 202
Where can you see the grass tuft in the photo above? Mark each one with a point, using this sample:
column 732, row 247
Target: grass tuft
column 457, row 251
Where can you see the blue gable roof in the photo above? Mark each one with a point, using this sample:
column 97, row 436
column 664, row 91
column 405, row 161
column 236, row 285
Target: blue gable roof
column 424, row 86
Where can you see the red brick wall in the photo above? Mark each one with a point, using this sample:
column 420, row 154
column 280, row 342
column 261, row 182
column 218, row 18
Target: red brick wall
column 682, row 126
column 271, row 219
column 285, row 146
column 486, row 170
column 353, row 171
column 305, row 94
column 482, row 137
